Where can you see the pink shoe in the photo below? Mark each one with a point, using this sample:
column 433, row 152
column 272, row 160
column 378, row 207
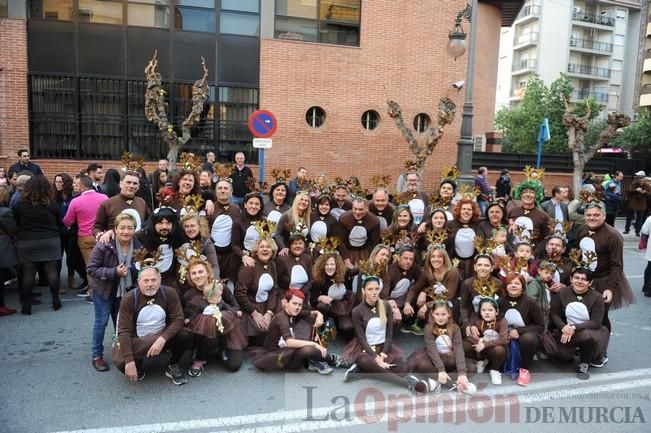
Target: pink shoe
column 524, row 378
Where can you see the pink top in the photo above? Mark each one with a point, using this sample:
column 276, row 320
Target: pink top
column 83, row 210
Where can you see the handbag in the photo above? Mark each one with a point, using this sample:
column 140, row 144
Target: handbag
column 644, row 240
column 548, row 342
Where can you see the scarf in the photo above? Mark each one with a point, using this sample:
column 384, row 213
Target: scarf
column 124, row 283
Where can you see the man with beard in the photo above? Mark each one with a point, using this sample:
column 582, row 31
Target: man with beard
column 161, row 233
column 401, row 275
column 381, row 208
column 341, row 202
column 555, row 253
column 150, row 321
column 359, row 232
column 125, row 200
column 221, row 231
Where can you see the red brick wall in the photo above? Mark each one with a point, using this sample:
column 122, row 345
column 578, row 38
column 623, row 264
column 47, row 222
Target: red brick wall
column 14, row 126
column 402, row 56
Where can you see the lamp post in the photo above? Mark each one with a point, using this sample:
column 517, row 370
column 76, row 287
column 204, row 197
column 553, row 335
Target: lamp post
column 456, row 48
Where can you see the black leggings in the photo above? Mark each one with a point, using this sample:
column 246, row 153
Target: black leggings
column 496, row 355
column 5, row 275
column 206, row 347
column 301, row 355
column 28, row 274
column 395, row 374
column 528, row 346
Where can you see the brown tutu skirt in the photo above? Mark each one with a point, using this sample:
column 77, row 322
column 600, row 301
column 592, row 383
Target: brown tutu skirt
column 356, row 255
column 622, row 297
column 341, row 307
column 249, row 328
column 465, row 268
column 353, row 350
column 233, row 336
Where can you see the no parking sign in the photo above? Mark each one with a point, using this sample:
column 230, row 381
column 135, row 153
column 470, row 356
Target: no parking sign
column 262, row 123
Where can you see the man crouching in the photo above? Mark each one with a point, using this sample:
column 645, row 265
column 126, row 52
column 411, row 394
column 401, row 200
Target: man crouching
column 150, row 320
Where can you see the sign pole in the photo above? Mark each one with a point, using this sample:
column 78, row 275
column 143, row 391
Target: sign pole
column 262, row 124
column 261, row 164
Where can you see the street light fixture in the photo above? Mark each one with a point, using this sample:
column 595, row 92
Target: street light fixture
column 457, row 37
column 456, row 48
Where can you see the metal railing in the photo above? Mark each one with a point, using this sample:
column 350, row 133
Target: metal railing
column 585, row 93
column 529, row 11
column 594, row 19
column 527, row 38
column 524, row 65
column 591, row 45
column 574, row 68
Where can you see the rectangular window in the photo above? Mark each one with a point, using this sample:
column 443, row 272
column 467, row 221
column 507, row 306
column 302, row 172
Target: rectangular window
column 98, row 118
column 194, row 19
column 617, row 65
column 241, row 5
column 325, row 21
column 59, row 10
column 240, row 17
column 53, row 117
column 101, row 115
column 206, row 4
column 96, row 11
column 235, row 106
column 621, row 14
column 620, row 40
column 4, row 8
column 146, row 15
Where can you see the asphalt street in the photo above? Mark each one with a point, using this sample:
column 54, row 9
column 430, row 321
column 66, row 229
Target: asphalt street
column 49, row 385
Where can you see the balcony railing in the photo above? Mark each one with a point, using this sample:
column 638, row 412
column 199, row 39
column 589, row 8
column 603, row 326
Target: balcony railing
column 524, row 65
column 586, row 93
column 527, row 38
column 591, row 45
column 646, row 89
column 594, row 19
column 574, row 68
column 529, row 11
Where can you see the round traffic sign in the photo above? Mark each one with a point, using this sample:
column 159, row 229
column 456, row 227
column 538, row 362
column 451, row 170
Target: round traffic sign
column 262, row 123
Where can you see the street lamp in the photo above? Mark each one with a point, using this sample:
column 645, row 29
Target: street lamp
column 456, row 48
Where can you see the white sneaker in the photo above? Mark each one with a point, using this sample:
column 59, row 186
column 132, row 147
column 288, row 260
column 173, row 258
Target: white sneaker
column 470, row 389
column 496, row 377
column 481, row 365
column 433, row 386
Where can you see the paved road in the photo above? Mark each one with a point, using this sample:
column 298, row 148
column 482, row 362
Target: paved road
column 48, row 385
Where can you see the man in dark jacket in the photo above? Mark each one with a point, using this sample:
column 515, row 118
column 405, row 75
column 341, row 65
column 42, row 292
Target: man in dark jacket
column 24, row 164
column 503, row 185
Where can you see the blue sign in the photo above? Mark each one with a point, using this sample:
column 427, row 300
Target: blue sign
column 262, row 124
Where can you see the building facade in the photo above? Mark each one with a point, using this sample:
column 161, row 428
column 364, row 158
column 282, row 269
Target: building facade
column 645, row 54
column 72, row 81
column 594, row 42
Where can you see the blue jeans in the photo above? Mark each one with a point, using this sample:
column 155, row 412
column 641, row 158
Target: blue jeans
column 103, row 309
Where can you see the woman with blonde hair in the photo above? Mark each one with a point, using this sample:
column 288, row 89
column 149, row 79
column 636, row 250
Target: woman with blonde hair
column 440, row 278
column 296, row 219
column 372, row 350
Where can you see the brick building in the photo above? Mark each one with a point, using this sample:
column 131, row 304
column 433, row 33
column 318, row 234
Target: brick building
column 72, row 87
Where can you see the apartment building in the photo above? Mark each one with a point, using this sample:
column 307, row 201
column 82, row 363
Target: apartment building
column 594, row 42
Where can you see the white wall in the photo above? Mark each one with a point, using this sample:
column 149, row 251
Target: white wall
column 554, row 41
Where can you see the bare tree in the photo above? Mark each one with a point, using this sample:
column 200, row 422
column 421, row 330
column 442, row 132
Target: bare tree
column 576, row 128
column 156, row 108
column 445, row 116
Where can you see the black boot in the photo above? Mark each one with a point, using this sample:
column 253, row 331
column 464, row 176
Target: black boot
column 56, row 302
